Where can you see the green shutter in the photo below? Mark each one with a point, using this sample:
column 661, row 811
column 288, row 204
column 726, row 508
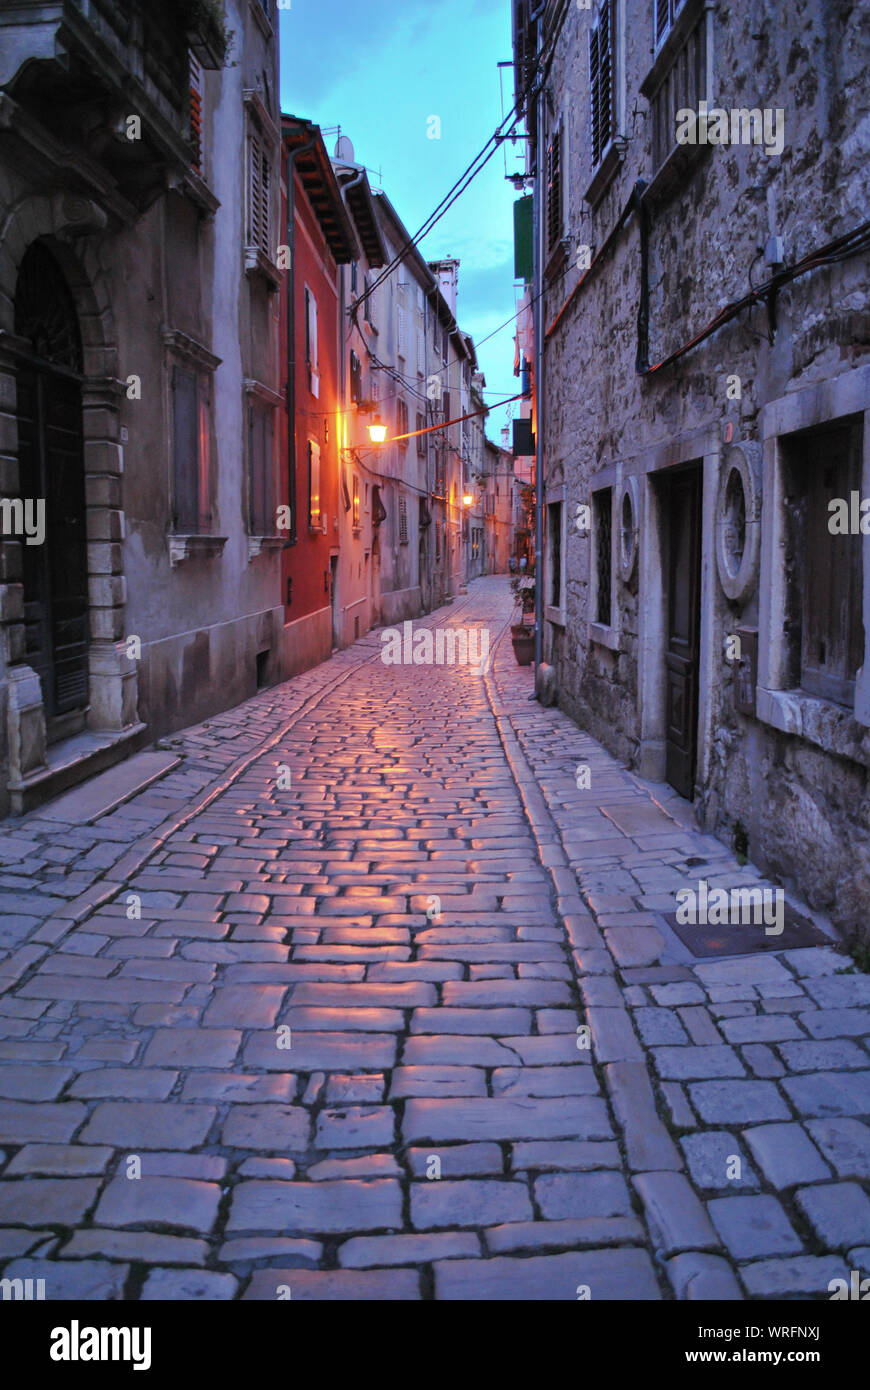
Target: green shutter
column 523, row 245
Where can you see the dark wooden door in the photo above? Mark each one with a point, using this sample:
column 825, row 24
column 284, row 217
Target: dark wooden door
column 55, row 573
column 683, row 509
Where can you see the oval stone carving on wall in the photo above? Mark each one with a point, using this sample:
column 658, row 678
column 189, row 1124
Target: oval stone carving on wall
column 627, row 515
column 738, row 520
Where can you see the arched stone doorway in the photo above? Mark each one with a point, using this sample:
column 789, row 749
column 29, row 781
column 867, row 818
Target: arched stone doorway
column 59, row 374
column 52, row 489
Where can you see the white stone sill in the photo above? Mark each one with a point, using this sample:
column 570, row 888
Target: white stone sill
column 604, row 636
column 821, row 722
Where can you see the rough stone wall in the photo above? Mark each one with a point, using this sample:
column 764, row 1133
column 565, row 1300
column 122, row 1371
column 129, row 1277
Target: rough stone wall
column 804, row 811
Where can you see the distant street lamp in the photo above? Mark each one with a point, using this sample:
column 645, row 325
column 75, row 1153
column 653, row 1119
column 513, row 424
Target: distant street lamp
column 467, row 500
column 377, row 430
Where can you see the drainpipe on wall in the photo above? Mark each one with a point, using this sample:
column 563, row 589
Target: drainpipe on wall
column 344, row 344
column 539, row 243
column 292, row 156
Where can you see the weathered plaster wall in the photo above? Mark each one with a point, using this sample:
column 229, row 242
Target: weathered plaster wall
column 805, row 811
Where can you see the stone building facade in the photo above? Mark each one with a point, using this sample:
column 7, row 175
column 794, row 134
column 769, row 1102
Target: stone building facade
column 138, row 341
column 499, row 507
column 706, row 395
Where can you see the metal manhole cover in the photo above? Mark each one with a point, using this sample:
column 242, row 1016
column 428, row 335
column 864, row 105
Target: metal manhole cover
column 702, row 939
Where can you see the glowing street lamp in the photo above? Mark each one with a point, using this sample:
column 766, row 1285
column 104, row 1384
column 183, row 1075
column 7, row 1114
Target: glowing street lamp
column 377, row 430
column 467, row 500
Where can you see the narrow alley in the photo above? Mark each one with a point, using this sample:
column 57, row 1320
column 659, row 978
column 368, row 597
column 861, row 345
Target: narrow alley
column 367, row 994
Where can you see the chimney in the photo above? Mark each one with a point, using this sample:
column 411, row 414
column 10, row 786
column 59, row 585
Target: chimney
column 446, row 272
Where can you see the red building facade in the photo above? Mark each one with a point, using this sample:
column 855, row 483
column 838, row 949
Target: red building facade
column 318, row 238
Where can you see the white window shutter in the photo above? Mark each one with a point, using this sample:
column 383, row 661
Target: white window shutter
column 313, row 483
column 311, row 319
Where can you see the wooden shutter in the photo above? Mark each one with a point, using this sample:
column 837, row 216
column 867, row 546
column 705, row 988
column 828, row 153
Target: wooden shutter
column 261, row 441
column 195, row 113
column 311, row 342
column 832, row 629
column 601, row 82
column 355, row 377
column 185, row 457
column 403, row 521
column 554, row 189
column 203, row 463
column 313, row 484
column 258, row 193
column 662, row 19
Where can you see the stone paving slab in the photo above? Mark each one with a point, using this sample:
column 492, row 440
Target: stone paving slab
column 412, row 1026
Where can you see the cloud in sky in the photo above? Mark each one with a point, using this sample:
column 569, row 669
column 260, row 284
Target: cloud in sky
column 380, row 69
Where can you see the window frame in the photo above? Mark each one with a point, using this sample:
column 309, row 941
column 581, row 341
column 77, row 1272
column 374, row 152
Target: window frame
column 311, row 347
column 401, row 420
column 672, row 10
column 258, row 229
column 196, row 99
column 261, row 401
column 314, row 475
column 808, row 532
column 196, row 519
column 608, row 8
column 605, row 634
column 828, row 725
column 555, row 612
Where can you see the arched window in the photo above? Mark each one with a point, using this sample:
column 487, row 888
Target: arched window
column 45, row 312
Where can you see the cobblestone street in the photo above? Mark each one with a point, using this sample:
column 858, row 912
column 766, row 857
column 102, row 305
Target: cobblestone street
column 433, row 909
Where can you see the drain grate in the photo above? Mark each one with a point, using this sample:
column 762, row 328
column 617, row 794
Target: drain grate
column 704, row 940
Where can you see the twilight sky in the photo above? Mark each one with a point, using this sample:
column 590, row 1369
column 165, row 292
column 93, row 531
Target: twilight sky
column 380, row 69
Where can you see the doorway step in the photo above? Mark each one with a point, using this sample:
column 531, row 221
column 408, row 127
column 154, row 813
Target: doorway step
column 72, row 761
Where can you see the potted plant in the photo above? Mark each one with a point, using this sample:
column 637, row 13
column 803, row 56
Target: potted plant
column 207, row 32
column 523, row 632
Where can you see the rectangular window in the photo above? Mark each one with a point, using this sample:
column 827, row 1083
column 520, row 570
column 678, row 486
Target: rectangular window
column 554, row 188
column 259, row 193
column 311, row 342
column 356, row 500
column 355, row 378
column 401, row 318
column 825, row 569
column 261, row 470
column 440, row 471
column 403, row 521
column 554, row 537
column 603, row 515
column 195, row 113
column 402, row 420
column 601, row 83
column 664, row 14
column 314, row 512
column 191, row 415
column 354, row 276
column 369, row 302
column 421, row 438
column 680, row 88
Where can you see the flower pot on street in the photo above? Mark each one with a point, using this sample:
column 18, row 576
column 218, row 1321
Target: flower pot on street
column 523, row 643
